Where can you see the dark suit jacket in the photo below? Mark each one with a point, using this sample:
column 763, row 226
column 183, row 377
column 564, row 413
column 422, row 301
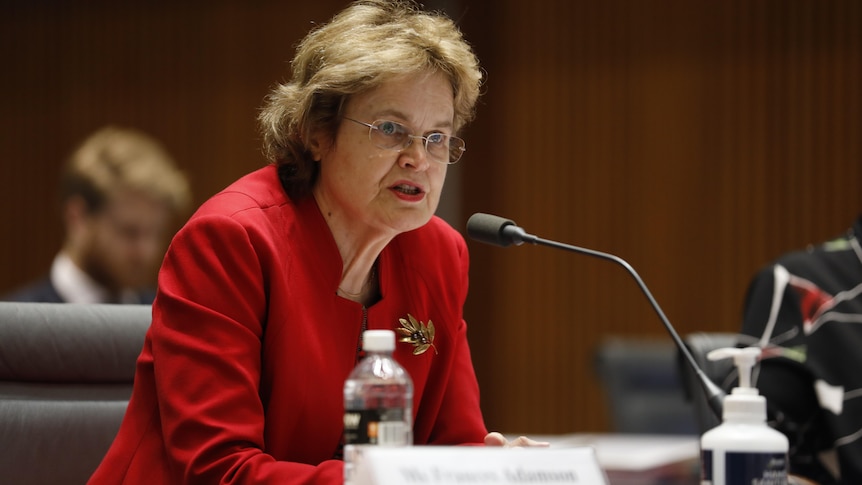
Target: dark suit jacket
column 44, row 291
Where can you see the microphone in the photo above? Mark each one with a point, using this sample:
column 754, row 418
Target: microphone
column 498, row 231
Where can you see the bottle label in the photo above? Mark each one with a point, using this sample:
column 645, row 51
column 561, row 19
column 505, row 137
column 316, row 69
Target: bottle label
column 384, row 426
column 743, row 468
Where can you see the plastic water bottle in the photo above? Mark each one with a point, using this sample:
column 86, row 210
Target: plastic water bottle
column 378, row 400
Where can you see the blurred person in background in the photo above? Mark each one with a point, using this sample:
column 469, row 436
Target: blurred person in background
column 120, row 194
column 805, row 311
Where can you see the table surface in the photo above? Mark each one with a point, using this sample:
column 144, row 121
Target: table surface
column 638, row 459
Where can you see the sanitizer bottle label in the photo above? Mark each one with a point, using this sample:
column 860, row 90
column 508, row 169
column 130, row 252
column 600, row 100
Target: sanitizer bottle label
column 743, row 468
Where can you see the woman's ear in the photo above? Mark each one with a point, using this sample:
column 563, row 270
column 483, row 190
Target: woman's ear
column 318, row 145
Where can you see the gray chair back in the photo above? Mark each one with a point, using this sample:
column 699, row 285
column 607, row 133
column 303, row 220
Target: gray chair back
column 66, row 374
column 643, row 386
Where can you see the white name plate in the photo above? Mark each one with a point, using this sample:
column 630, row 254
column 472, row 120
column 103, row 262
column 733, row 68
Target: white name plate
column 476, row 465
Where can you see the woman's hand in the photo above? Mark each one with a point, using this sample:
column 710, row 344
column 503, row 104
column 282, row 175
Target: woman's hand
column 497, row 439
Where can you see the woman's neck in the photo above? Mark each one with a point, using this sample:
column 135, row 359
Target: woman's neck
column 359, row 247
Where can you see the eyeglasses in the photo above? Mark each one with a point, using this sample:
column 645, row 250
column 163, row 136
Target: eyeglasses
column 391, row 135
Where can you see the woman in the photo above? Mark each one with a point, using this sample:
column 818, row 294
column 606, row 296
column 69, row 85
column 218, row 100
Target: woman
column 265, row 292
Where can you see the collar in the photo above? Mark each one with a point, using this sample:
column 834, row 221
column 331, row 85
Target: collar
column 75, row 286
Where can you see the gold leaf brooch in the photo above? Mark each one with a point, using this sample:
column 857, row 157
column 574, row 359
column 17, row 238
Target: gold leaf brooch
column 417, row 333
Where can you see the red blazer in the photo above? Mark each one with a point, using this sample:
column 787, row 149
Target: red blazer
column 241, row 375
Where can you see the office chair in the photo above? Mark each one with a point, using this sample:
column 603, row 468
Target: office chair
column 643, row 386
column 66, row 374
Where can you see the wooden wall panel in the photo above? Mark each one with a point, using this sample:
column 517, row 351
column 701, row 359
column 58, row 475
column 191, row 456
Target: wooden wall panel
column 697, row 140
column 193, row 74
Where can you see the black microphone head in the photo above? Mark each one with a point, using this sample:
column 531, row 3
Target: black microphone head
column 488, row 229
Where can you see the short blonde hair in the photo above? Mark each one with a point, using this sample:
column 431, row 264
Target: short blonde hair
column 364, row 46
column 116, row 158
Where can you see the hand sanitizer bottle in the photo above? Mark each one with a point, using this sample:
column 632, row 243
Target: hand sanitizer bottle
column 743, row 449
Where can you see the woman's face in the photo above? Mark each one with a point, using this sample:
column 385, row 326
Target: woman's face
column 386, row 189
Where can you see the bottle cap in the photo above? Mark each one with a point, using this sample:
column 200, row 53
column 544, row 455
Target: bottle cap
column 744, row 402
column 378, row 341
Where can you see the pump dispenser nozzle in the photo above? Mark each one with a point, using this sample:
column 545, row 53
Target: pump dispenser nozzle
column 744, row 359
column 743, row 402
